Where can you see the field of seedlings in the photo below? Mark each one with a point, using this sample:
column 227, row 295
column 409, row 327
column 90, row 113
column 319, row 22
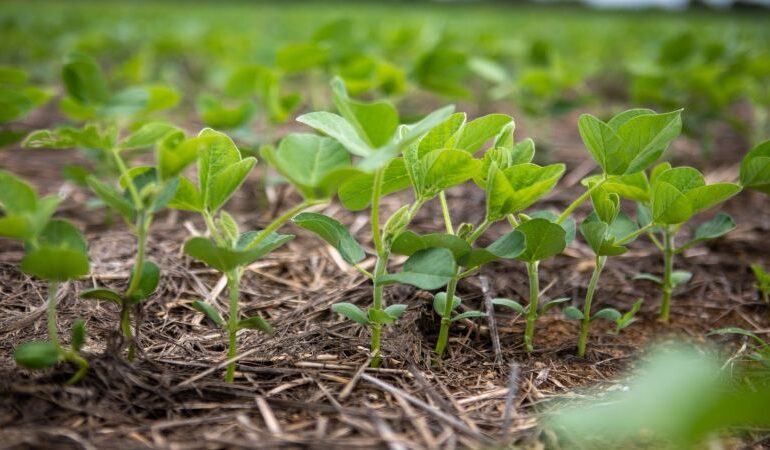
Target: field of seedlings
column 383, row 225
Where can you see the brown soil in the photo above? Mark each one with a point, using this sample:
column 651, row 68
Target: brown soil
column 308, row 385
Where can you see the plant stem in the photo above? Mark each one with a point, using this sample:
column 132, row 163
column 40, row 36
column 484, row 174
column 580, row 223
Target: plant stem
column 138, row 205
column 578, row 201
column 446, row 318
column 53, row 332
column 73, row 357
column 142, row 226
column 380, row 268
column 634, row 235
column 586, row 322
column 233, row 284
column 534, row 291
column 483, row 226
column 668, row 267
column 445, row 212
column 125, row 328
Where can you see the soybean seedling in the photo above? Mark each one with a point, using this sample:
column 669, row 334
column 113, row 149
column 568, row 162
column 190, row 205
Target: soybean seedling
column 90, row 98
column 371, row 132
column 607, row 231
column 140, row 193
column 512, row 183
column 303, row 159
column 625, row 145
column 54, row 251
column 675, row 196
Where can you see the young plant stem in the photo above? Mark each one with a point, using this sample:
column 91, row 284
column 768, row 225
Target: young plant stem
column 586, row 322
column 380, row 268
column 233, row 285
column 445, row 212
column 668, row 268
column 142, row 226
column 578, row 201
column 534, row 292
column 446, row 319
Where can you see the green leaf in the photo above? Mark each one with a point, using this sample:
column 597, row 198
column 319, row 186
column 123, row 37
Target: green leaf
column 572, row 313
column 631, row 141
column 396, row 310
column 508, row 246
column 409, row 243
column 147, row 135
column 607, row 314
column 148, row 282
column 225, row 183
column 379, row 316
column 543, row 239
column 339, row 129
column 220, row 258
column 60, row 255
column 307, row 161
column 504, row 157
column 718, row 226
column 704, row 197
column 439, row 303
column 508, row 303
column 439, row 137
column 84, row 80
column 680, row 277
column 334, row 233
column 518, row 187
column 16, row 227
column 219, row 154
column 442, row 169
column 209, row 311
column 255, row 323
column 36, row 355
column 355, row 193
column 755, row 168
column 375, row 122
column 174, row 153
column 16, row 195
column 102, row 294
column 352, row 312
column 468, row 315
column 227, row 115
column 669, row 205
column 427, row 269
column 187, row 197
column 476, row 132
column 112, row 198
column 78, row 337
column 646, row 137
column 649, row 277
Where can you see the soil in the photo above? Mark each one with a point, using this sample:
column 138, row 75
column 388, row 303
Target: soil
column 308, row 385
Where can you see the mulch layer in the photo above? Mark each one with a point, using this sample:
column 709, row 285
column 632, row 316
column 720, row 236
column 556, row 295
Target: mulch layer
column 309, row 385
